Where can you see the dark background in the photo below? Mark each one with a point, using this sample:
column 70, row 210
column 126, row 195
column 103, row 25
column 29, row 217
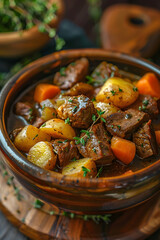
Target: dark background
column 77, row 11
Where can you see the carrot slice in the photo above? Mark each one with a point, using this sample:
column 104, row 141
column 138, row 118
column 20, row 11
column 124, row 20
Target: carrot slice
column 123, row 149
column 45, row 91
column 149, row 85
column 158, row 136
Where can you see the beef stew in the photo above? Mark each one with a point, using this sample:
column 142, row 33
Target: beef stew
column 74, row 122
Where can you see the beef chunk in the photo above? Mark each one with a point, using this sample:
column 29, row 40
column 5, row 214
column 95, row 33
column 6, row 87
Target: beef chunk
column 122, row 124
column 66, row 151
column 146, row 104
column 78, row 111
column 38, row 122
column 72, row 74
column 25, row 110
column 96, row 145
column 145, row 141
column 102, row 73
column 81, row 88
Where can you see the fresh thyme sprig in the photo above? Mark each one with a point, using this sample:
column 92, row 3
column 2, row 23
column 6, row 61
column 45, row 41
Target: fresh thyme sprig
column 83, row 140
column 19, row 15
column 38, row 204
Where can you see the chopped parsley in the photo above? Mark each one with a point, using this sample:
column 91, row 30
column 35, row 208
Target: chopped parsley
column 93, row 99
column 140, row 108
column 135, row 89
column 43, row 106
column 43, row 125
column 112, row 126
column 85, row 171
column 145, row 102
column 94, row 150
column 67, row 121
column 38, row 204
column 70, row 100
column 62, row 72
column 119, row 127
column 143, row 107
column 90, row 79
column 113, row 92
column 35, row 137
column 142, row 145
column 120, row 90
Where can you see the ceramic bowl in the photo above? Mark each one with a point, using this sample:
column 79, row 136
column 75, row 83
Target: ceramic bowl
column 135, row 195
column 18, row 44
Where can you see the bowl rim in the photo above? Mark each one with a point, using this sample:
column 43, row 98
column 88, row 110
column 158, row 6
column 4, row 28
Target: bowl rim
column 51, row 178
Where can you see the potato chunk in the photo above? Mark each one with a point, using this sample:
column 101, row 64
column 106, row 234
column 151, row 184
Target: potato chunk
column 57, row 128
column 85, row 167
column 28, row 137
column 118, row 91
column 107, row 108
column 48, row 113
column 42, row 155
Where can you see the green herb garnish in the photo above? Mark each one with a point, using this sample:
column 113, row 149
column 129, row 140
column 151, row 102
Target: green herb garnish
column 43, row 125
column 145, row 102
column 38, row 204
column 94, row 117
column 113, row 92
column 35, row 137
column 99, row 172
column 135, row 89
column 85, row 171
column 67, row 121
column 62, row 71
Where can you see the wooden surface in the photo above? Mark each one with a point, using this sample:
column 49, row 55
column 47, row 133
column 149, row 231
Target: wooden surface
column 131, row 29
column 36, row 223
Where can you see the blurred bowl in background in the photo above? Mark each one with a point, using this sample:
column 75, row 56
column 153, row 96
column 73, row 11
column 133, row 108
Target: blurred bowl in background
column 21, row 43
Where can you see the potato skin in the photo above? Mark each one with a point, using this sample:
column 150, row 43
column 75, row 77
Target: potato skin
column 75, row 169
column 57, row 128
column 118, row 91
column 28, row 137
column 42, row 155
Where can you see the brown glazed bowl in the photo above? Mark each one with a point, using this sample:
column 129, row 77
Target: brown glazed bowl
column 18, row 44
column 104, row 195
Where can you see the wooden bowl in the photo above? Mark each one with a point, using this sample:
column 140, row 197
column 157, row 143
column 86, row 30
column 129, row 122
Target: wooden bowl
column 21, row 43
column 104, row 195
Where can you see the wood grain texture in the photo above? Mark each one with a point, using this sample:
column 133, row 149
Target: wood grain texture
column 131, row 29
column 140, row 221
